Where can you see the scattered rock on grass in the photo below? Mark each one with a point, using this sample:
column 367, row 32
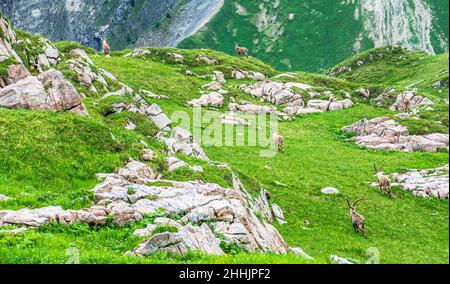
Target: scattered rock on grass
column 329, row 191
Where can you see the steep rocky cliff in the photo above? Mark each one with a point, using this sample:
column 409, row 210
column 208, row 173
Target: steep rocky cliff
column 290, row 34
column 315, row 35
column 80, row 20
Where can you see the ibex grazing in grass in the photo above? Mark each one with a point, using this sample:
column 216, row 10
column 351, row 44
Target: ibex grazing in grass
column 279, row 142
column 105, row 46
column 241, row 50
column 358, row 221
column 383, row 181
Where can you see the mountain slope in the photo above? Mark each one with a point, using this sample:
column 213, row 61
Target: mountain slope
column 290, row 35
column 124, row 22
column 52, row 158
column 315, row 35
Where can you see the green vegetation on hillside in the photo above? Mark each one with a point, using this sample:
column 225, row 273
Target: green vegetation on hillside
column 52, row 158
column 299, row 34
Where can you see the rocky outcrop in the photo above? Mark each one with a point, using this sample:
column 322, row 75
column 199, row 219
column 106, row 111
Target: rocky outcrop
column 7, row 42
column 127, row 195
column 243, row 75
column 252, row 109
column 213, row 99
column 431, row 183
column 156, row 114
column 233, row 119
column 188, row 238
column 49, row 91
column 384, row 133
column 180, row 141
column 277, row 93
column 16, row 72
column 329, row 105
column 138, row 52
column 202, row 59
column 83, row 66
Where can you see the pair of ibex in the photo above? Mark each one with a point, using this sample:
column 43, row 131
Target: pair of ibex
column 358, row 220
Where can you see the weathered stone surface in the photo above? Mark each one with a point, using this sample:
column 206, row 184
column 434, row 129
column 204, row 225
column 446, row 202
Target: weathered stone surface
column 252, row 109
column 364, row 92
column 277, row 93
column 329, row 191
column 30, row 217
column 181, row 141
column 178, row 58
column 159, row 118
column 384, row 133
column 108, row 75
column 278, row 214
column 146, row 232
column 206, row 60
column 64, row 95
column 174, row 164
column 81, row 64
column 137, row 172
column 213, row 86
column 340, row 260
column 7, row 41
column 300, row 252
column 138, row 52
column 301, row 110
column 219, row 77
column 234, row 210
column 123, row 196
column 431, row 183
column 49, row 91
column 330, row 105
column 233, row 119
column 243, row 74
column 78, row 52
column 167, row 242
column 212, row 99
column 381, row 126
column 154, row 110
column 148, row 155
column 16, row 73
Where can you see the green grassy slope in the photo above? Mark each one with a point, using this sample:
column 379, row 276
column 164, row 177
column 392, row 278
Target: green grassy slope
column 316, row 157
column 394, row 67
column 321, row 33
column 52, row 159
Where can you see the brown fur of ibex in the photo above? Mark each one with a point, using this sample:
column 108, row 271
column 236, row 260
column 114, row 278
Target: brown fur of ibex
column 106, row 48
column 279, row 142
column 358, row 221
column 241, row 50
column 383, row 181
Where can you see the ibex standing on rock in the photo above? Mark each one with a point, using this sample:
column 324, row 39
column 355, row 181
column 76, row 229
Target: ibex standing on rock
column 358, row 221
column 241, row 50
column 279, row 142
column 105, row 46
column 383, row 181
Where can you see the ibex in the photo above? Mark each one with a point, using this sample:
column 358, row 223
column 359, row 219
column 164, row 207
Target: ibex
column 241, row 50
column 279, row 142
column 105, row 46
column 358, row 221
column 383, row 181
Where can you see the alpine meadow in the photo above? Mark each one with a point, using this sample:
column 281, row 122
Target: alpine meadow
column 224, row 132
